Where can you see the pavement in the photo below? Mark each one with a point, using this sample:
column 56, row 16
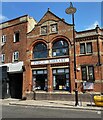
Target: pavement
column 51, row 104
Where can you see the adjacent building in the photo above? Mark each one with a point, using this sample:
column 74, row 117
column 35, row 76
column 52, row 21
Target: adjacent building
column 13, row 52
column 40, row 57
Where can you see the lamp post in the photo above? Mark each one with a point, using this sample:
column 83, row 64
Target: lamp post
column 72, row 10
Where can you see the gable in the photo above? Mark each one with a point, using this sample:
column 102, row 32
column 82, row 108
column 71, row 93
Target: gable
column 48, row 16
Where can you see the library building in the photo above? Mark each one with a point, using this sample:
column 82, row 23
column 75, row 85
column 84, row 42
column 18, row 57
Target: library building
column 41, row 60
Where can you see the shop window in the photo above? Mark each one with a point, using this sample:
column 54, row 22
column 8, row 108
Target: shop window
column 61, row 79
column 40, row 51
column 53, row 28
column 16, row 36
column 15, row 56
column 85, row 48
column 60, row 48
column 3, row 58
column 87, row 73
column 44, row 30
column 39, row 79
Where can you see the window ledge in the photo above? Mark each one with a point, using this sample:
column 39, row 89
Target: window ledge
column 87, row 54
column 43, row 34
column 53, row 33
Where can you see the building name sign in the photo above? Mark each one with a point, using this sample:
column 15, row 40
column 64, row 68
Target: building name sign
column 61, row 60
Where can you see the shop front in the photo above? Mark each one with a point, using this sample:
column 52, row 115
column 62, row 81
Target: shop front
column 56, row 76
column 12, row 80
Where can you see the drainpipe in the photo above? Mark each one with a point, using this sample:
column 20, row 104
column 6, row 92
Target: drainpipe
column 99, row 61
column 98, row 49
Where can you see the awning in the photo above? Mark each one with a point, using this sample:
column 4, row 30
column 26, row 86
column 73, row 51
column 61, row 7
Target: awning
column 14, row 67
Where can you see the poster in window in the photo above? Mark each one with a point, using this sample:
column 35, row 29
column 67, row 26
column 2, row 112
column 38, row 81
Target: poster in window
column 88, row 86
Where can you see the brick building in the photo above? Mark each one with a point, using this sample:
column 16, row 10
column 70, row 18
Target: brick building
column 46, row 56
column 13, row 51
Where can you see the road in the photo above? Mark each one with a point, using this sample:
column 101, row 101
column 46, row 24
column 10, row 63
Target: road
column 40, row 112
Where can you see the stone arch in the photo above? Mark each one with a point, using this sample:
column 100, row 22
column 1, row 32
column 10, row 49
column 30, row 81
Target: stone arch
column 60, row 37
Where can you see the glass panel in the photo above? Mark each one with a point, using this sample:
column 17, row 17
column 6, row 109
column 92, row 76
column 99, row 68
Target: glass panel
column 67, row 75
column 84, row 73
column 17, row 55
column 82, row 48
column 54, row 53
column 67, row 70
column 60, row 48
column 89, row 48
column 43, row 29
column 54, row 71
column 3, row 57
column 60, row 70
column 54, row 81
column 17, row 37
column 45, row 71
column 40, row 72
column 91, row 72
column 67, row 83
column 54, row 28
column 40, row 51
column 34, row 72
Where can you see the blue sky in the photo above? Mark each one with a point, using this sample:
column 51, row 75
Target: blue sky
column 87, row 16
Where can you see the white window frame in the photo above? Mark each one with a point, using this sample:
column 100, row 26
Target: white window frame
column 15, row 56
column 3, row 58
column 3, row 39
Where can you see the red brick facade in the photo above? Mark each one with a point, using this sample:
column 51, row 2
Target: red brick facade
column 52, row 64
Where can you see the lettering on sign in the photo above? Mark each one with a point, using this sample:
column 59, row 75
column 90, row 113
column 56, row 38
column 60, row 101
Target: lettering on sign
column 62, row 60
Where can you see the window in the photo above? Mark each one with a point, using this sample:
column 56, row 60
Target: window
column 89, row 47
column 87, row 73
column 44, row 30
column 16, row 36
column 85, row 48
column 61, row 79
column 54, row 28
column 82, row 48
column 40, row 51
column 3, row 39
column 3, row 58
column 84, row 73
column 60, row 48
column 15, row 56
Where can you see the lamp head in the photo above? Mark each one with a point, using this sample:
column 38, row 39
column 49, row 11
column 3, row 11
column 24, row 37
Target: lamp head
column 71, row 9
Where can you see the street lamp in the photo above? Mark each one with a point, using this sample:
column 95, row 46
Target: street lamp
column 72, row 10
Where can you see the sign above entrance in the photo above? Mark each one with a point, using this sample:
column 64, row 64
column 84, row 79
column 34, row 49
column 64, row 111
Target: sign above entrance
column 51, row 61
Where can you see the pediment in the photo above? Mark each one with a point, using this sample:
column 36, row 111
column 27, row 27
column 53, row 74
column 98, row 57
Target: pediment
column 49, row 22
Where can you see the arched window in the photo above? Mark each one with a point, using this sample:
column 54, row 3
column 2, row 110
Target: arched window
column 60, row 48
column 40, row 51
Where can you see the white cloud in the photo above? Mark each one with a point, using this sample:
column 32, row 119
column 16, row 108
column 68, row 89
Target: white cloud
column 93, row 25
column 3, row 18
